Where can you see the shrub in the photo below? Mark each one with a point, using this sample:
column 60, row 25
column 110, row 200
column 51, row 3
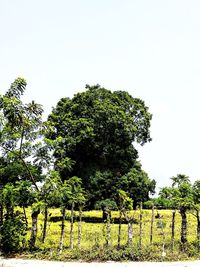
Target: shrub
column 12, row 234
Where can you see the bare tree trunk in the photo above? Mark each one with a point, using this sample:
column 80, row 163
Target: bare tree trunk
column 163, row 236
column 173, row 228
column 151, row 229
column 71, row 245
column 183, row 227
column 62, row 229
column 45, row 224
column 108, row 229
column 130, row 228
column 130, row 232
column 119, row 229
column 79, row 227
column 198, row 229
column 141, row 230
column 34, row 228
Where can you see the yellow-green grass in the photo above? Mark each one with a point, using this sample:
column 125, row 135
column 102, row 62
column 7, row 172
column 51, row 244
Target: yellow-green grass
column 94, row 238
column 94, row 234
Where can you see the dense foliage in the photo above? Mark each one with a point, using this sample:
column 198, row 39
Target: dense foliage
column 96, row 130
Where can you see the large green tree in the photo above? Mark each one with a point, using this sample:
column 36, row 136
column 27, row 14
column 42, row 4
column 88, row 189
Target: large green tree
column 138, row 184
column 96, row 130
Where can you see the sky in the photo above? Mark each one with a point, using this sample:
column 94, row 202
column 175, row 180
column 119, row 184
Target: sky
column 149, row 48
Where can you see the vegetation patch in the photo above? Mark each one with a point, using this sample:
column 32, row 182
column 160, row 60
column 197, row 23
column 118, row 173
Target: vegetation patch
column 72, row 187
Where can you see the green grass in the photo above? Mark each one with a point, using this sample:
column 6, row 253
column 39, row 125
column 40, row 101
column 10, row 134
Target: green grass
column 93, row 238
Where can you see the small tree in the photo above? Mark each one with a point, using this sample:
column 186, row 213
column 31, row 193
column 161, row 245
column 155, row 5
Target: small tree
column 138, row 184
column 49, row 196
column 12, row 233
column 10, row 197
column 166, row 200
column 64, row 198
column 107, row 206
column 76, row 196
column 13, row 227
column 71, row 193
column 183, row 199
column 196, row 196
column 81, row 200
column 125, row 205
column 26, row 196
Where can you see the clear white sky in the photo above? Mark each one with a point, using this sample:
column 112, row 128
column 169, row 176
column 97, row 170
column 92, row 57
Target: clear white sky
column 150, row 48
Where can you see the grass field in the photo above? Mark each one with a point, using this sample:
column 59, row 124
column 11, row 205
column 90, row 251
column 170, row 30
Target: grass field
column 93, row 238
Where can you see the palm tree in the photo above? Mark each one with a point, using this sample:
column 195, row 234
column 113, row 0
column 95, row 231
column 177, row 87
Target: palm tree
column 179, row 179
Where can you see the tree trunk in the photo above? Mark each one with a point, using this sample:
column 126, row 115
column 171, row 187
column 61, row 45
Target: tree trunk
column 45, row 224
column 105, row 212
column 108, row 229
column 9, row 212
column 151, row 230
column 34, row 228
column 1, row 214
column 130, row 232
column 25, row 217
column 140, row 241
column 163, row 236
column 119, row 230
column 71, row 245
column 183, row 227
column 173, row 228
column 62, row 229
column 198, row 229
column 79, row 227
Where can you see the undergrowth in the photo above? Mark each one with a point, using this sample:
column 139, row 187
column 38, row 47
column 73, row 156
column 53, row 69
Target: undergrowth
column 104, row 253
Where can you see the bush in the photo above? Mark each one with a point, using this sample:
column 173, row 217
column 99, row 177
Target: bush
column 12, row 234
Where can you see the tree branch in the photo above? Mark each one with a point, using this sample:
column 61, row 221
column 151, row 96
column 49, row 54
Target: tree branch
column 25, row 165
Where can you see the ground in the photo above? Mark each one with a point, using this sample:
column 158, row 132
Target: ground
column 41, row 263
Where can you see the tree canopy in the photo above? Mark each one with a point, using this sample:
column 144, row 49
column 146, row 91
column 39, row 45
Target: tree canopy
column 96, row 130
